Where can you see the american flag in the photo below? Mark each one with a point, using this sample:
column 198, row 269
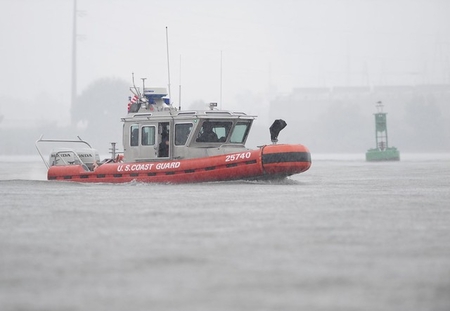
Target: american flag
column 132, row 100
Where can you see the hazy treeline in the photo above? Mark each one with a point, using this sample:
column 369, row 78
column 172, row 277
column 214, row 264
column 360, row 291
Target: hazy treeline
column 326, row 123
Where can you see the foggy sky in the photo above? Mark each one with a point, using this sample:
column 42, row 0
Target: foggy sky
column 265, row 47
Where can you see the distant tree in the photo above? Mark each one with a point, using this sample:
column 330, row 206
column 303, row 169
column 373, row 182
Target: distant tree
column 198, row 104
column 427, row 128
column 342, row 128
column 97, row 111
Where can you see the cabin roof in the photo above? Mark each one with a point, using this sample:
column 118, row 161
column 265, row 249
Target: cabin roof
column 187, row 114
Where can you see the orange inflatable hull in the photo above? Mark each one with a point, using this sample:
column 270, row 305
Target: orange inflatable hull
column 267, row 162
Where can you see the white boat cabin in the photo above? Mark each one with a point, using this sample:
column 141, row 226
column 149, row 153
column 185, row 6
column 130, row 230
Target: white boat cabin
column 154, row 130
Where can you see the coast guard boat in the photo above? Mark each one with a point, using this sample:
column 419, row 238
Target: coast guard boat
column 164, row 144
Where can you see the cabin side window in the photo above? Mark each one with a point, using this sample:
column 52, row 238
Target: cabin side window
column 134, row 135
column 182, row 132
column 240, row 132
column 148, row 136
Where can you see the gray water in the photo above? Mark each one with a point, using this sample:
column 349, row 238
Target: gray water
column 346, row 235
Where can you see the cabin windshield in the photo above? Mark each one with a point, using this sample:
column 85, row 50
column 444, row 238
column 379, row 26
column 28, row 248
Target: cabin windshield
column 214, row 131
column 240, row 132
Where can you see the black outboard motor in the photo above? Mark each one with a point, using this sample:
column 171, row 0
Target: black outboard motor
column 275, row 129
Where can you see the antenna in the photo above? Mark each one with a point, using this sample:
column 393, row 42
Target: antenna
column 74, row 55
column 220, row 79
column 143, row 99
column 179, row 89
column 168, row 65
column 75, row 37
column 143, row 84
column 136, row 90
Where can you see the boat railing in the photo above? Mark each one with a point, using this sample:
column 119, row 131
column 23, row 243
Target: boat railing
column 46, row 140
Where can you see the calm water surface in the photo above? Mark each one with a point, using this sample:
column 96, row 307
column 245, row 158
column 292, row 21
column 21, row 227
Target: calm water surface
column 346, row 235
